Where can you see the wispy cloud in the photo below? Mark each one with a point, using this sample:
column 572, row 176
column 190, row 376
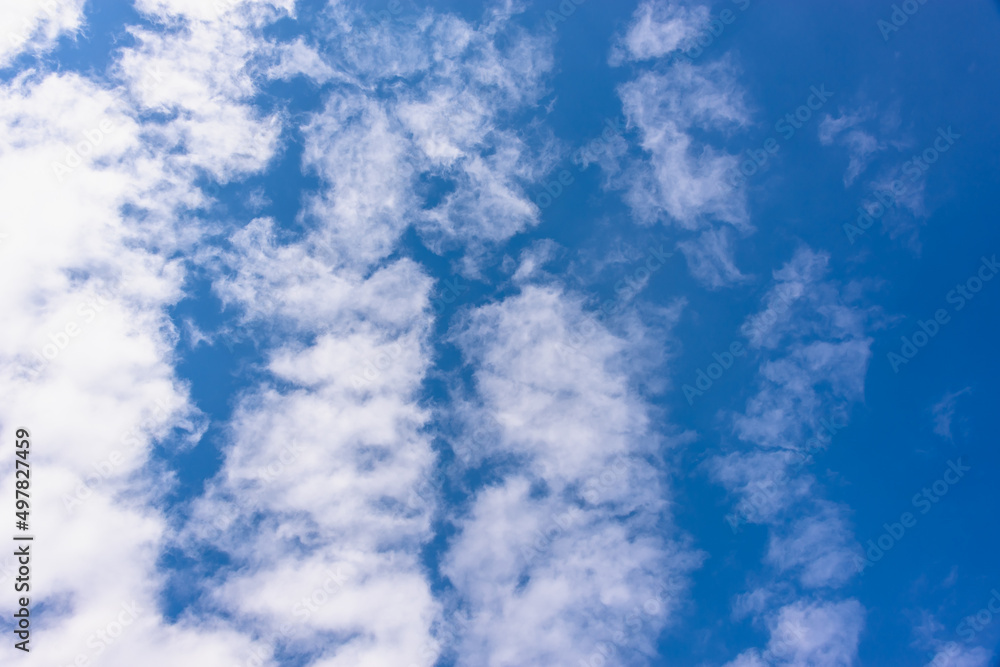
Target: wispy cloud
column 680, row 179
column 861, row 146
column 816, row 357
column 659, row 28
column 823, row 634
column 944, row 412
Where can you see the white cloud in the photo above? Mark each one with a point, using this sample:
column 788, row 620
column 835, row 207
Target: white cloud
column 659, row 28
column 813, row 337
column 198, row 76
column 438, row 155
column 764, row 483
column 710, row 258
column 326, row 496
column 98, row 198
column 332, row 463
column 680, row 178
column 794, row 395
column 861, row 146
column 570, row 554
column 752, row 603
column 817, row 634
column 36, row 25
column 329, row 463
column 88, row 289
column 217, row 11
column 952, row 654
column 907, row 206
column 942, row 653
column 944, row 412
column 326, row 473
column 367, row 162
column 806, row 391
column 298, row 58
column 818, row 547
column 810, row 634
column 802, row 304
column 683, row 179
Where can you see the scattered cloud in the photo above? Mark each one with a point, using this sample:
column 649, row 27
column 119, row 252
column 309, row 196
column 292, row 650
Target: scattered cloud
column 681, row 179
column 659, row 28
column 861, row 145
column 944, row 412
column 820, row 634
column 36, row 25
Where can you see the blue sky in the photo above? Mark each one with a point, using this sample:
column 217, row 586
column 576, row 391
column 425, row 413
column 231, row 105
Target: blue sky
column 506, row 333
